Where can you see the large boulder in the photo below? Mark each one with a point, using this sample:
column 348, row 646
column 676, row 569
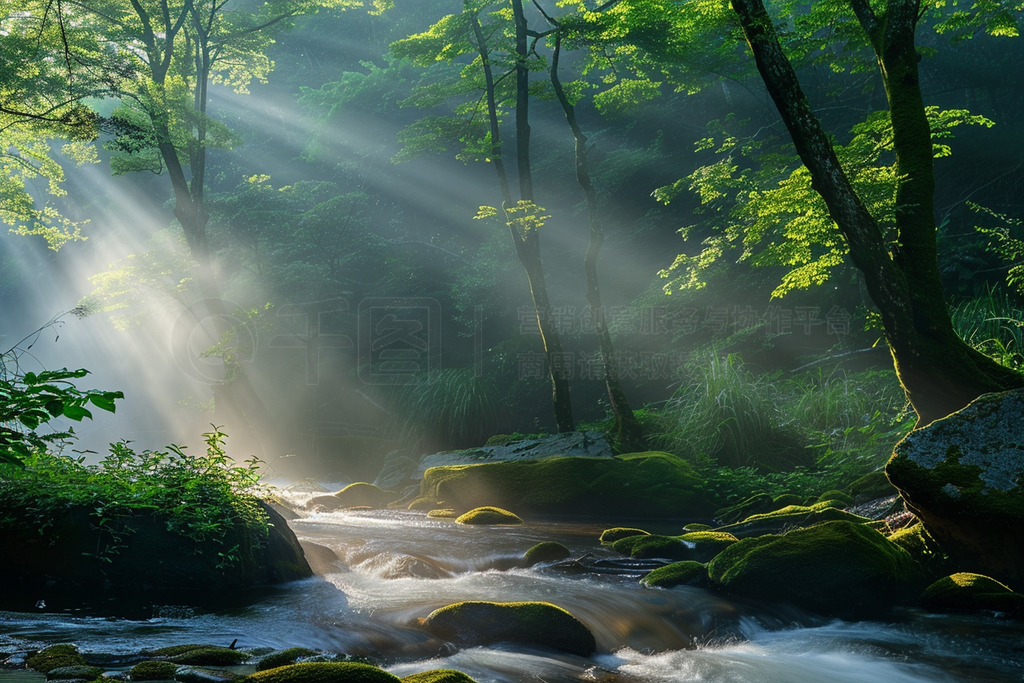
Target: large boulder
column 62, row 565
column 836, row 568
column 971, row 593
column 475, row 623
column 636, row 485
column 962, row 476
column 566, row 444
column 362, row 494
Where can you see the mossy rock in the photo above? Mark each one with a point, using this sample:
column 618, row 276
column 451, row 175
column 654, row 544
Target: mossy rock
column 153, row 671
column 838, row 497
column 210, row 656
column 197, row 674
column 697, row 526
column 790, row 517
column 837, row 568
column 760, row 502
column 489, row 515
column 685, row 573
column 175, row 650
column 546, row 551
column 443, row 513
column 439, row 676
column 325, row 503
column 963, row 476
column 706, row 544
column 872, row 486
column 916, row 540
column 324, row 672
column 654, row 546
column 475, row 623
column 787, row 499
column 646, row 485
column 362, row 494
column 283, row 658
column 609, row 536
column 966, row 592
column 55, row 657
column 424, row 503
column 74, row 673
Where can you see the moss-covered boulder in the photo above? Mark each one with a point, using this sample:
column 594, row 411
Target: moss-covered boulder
column 283, row 658
column 925, row 550
column 836, row 568
column 470, row 624
column 439, row 676
column 837, row 498
column 609, row 536
column 55, row 657
column 636, row 485
column 685, row 573
column 704, row 545
column 966, row 592
column 74, row 673
column 546, row 551
column 443, row 513
column 963, row 476
column 489, row 515
column 790, row 517
column 787, row 499
column 362, row 494
column 153, row 671
column 324, row 672
column 209, row 656
column 871, row 486
column 323, row 504
column 654, row 546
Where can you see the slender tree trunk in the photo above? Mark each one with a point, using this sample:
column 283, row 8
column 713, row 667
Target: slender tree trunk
column 527, row 242
column 939, row 371
column 629, row 435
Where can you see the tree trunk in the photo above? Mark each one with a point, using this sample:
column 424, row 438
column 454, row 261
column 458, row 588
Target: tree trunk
column 939, row 371
column 628, row 434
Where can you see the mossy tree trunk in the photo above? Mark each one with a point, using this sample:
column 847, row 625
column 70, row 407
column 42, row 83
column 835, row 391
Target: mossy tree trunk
column 939, row 371
column 628, row 434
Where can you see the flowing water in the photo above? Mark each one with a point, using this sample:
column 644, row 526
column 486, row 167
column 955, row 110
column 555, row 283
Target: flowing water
column 396, row 567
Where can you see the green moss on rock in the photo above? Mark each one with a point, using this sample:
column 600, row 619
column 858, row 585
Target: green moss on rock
column 210, row 656
column 439, row 676
column 787, row 499
column 789, row 517
column 609, row 536
column 839, row 498
column 971, row 593
column 925, row 550
column 546, row 551
column 697, row 526
column 835, row 568
column 55, row 657
column 362, row 494
column 324, row 672
column 443, row 513
column 706, row 544
column 685, row 573
column 489, row 515
column 74, row 673
column 474, row 623
column 654, row 546
column 424, row 503
column 153, row 671
column 637, row 485
column 872, row 486
column 283, row 658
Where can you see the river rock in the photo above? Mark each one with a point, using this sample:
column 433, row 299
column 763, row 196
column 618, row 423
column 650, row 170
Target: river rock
column 55, row 657
column 685, row 573
column 971, row 593
column 609, row 536
column 439, row 676
column 836, row 568
column 324, row 672
column 488, row 515
column 398, row 469
column 361, row 494
column 323, row 504
column 546, row 551
column 652, row 546
column 153, row 671
column 636, row 485
column 74, row 673
column 570, row 444
column 283, row 658
column 476, row 623
column 961, row 476
column 322, row 560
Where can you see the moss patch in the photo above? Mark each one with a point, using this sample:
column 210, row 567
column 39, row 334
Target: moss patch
column 546, row 551
column 971, row 593
column 925, row 550
column 706, row 544
column 153, row 671
column 55, row 657
column 443, row 513
column 839, row 498
column 685, row 573
column 791, row 516
column 637, row 485
column 489, row 515
column 653, row 546
column 424, row 503
column 75, row 673
column 324, row 672
column 283, row 658
column 609, row 536
column 439, row 676
column 696, row 526
column 362, row 494
column 209, row 656
column 836, row 568
column 474, row 623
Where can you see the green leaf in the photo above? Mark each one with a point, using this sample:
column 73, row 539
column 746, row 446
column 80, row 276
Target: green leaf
column 76, row 413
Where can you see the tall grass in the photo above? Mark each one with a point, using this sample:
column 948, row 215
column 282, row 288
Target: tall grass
column 994, row 325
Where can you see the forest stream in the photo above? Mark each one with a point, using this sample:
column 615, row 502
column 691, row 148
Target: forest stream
column 399, row 566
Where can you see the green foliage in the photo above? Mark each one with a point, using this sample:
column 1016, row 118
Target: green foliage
column 994, row 325
column 201, row 497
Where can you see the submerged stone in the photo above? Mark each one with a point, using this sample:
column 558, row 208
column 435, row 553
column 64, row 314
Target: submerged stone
column 961, row 476
column 836, row 568
column 471, row 624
